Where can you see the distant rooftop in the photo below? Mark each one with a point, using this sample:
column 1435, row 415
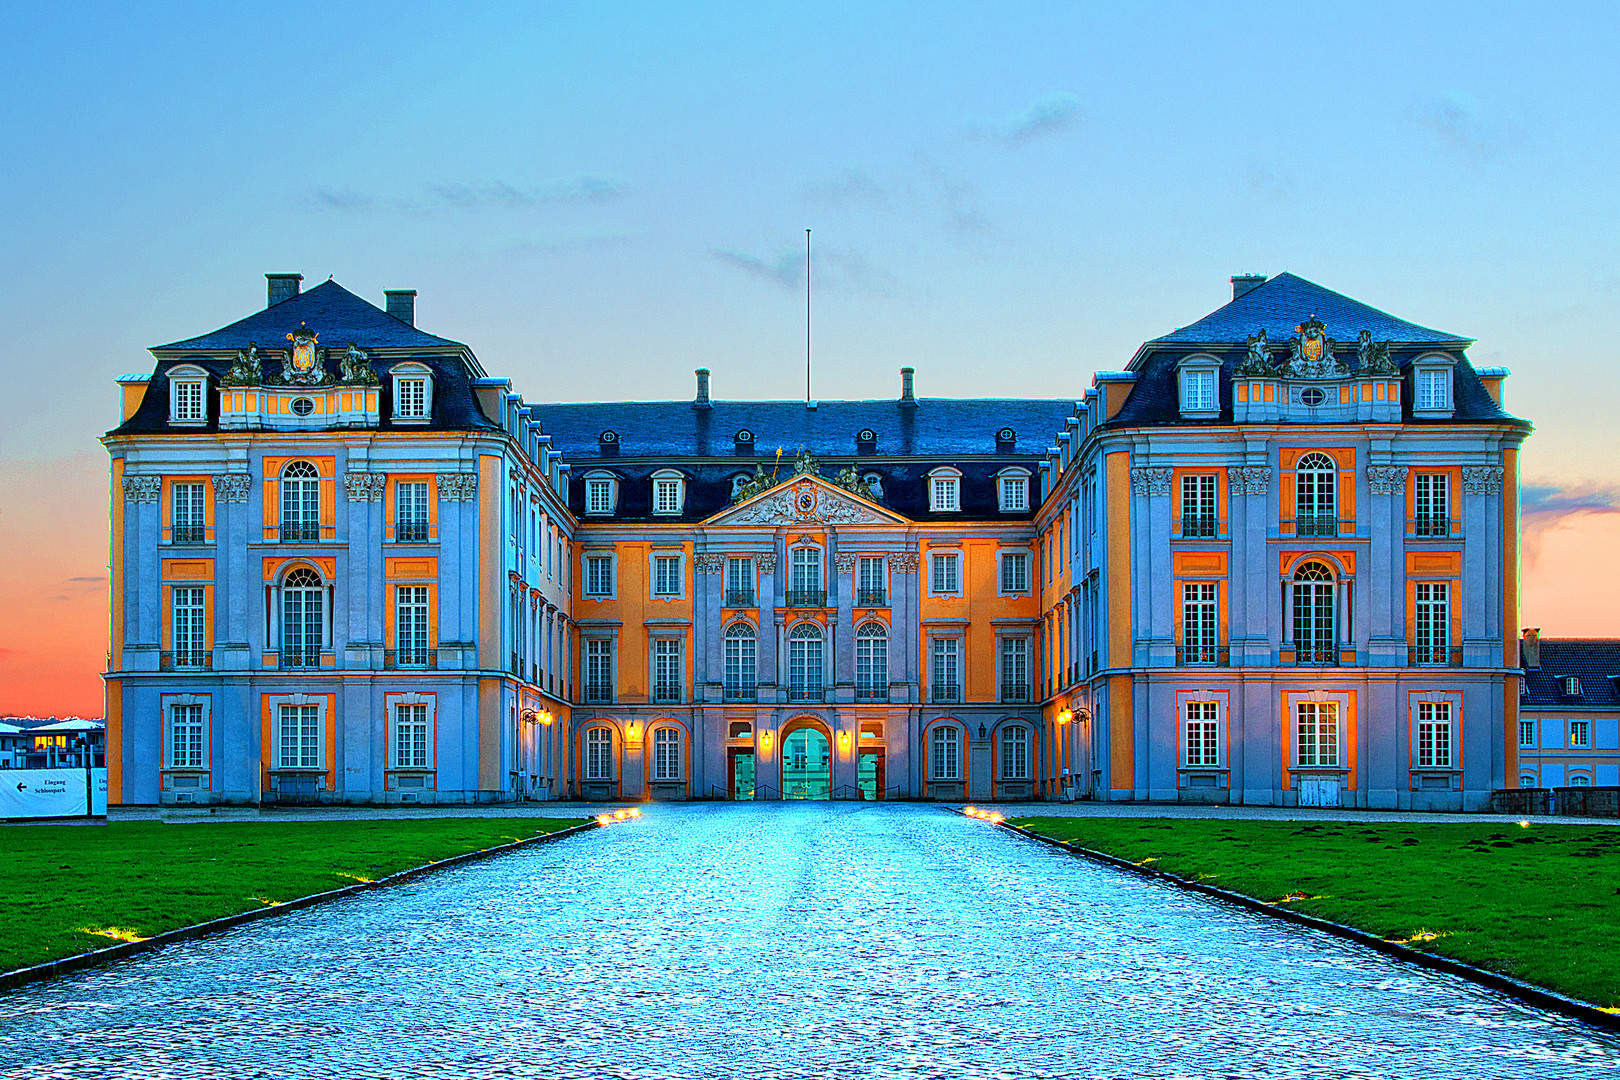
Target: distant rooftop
column 333, row 312
column 1283, row 302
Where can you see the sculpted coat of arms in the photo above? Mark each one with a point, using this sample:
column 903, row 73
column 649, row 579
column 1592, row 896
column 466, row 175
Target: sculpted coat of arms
column 301, row 363
column 1313, row 352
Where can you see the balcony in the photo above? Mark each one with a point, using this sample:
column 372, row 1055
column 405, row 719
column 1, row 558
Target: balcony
column 299, row 532
column 804, row 692
column 185, row 660
column 807, row 598
column 1431, row 526
column 739, row 598
column 1318, row 525
column 410, row 532
column 741, row 693
column 1201, row 656
column 1014, row 691
column 299, row 656
column 1198, row 526
column 1312, row 655
column 598, row 693
column 666, row 693
column 186, row 534
column 868, row 692
column 947, row 692
column 872, row 597
column 410, row 656
column 1433, row 656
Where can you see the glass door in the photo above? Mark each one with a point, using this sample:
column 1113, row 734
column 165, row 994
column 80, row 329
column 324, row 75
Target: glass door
column 742, row 775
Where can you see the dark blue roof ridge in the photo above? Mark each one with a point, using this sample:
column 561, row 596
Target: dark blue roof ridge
column 1282, row 302
column 333, row 312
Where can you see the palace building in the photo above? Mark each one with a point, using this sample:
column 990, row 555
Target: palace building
column 1274, row 561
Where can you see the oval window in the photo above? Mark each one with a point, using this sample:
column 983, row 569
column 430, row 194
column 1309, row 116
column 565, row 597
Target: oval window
column 1313, row 396
column 303, row 406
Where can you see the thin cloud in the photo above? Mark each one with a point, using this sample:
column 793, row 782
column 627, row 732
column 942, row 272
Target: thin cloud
column 1456, row 120
column 341, row 199
column 495, row 194
column 99, row 579
column 1045, row 118
column 851, row 187
column 1544, row 507
column 786, row 270
column 835, row 268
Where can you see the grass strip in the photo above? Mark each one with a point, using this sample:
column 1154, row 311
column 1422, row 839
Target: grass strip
column 1538, row 903
column 67, row 889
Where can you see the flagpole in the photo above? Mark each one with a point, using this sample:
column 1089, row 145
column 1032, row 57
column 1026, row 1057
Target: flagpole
column 807, row 316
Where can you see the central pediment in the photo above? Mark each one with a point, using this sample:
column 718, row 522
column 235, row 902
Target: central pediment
column 806, row 500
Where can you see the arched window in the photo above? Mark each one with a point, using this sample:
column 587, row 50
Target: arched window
column 598, row 753
column 872, row 662
column 1316, row 479
column 300, row 503
column 1015, row 752
column 1314, row 639
column 303, row 618
column 945, row 757
column 1527, row 781
column 804, row 662
column 804, row 581
column 741, row 662
column 666, row 754
column 1578, row 780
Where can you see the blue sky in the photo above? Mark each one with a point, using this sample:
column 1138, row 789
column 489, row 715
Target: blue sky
column 599, row 198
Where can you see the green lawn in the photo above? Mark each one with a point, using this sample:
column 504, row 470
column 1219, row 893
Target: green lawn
column 1540, row 903
column 70, row 889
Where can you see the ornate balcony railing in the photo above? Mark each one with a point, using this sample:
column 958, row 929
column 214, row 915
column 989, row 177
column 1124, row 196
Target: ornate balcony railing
column 411, row 656
column 947, row 691
column 804, row 691
column 807, row 598
column 1201, row 656
column 598, row 693
column 1014, row 691
column 1198, row 526
column 739, row 598
column 1310, row 655
column 299, row 532
column 666, row 693
column 871, row 692
column 741, row 693
column 187, row 534
column 185, row 659
column 411, row 532
column 299, row 656
column 1433, row 656
column 872, row 597
column 1317, row 525
column 1427, row 525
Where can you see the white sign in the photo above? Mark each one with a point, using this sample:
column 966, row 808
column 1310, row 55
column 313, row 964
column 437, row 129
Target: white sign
column 48, row 793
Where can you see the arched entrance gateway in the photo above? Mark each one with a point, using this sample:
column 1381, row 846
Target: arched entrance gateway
column 806, row 760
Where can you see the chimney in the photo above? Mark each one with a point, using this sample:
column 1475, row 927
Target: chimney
column 703, row 388
column 1244, row 283
column 401, row 304
column 282, row 287
column 906, row 395
column 1530, row 647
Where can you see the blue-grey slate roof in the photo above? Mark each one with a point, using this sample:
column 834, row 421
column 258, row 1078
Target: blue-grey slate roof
column 1595, row 661
column 1283, row 302
column 933, row 427
column 337, row 315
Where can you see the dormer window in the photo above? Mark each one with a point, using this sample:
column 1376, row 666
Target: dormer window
column 1572, row 687
column 669, row 492
column 874, row 485
column 945, row 491
column 413, row 393
column 1012, row 491
column 1431, row 386
column 601, row 493
column 188, row 395
column 1200, row 393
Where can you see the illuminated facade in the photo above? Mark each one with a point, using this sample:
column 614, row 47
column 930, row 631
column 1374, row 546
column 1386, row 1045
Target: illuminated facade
column 349, row 566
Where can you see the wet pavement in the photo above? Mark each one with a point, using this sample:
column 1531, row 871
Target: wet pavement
column 778, row 941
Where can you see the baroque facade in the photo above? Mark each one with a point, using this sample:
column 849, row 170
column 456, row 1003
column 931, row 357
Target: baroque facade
column 1257, row 566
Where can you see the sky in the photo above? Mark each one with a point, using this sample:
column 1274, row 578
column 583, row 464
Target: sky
column 599, row 198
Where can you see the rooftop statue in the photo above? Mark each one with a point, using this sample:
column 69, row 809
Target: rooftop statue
column 1373, row 356
column 1258, row 359
column 356, row 367
column 245, row 369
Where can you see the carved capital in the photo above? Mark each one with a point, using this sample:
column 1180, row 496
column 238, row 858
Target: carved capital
column 143, row 489
column 232, row 487
column 1481, row 479
column 458, row 487
column 844, row 562
column 364, row 486
column 1386, row 479
column 1248, row 479
column 904, row 562
column 766, row 562
column 708, row 563
column 1151, row 480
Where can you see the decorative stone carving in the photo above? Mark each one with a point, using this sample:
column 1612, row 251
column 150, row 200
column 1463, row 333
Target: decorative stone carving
column 1373, row 356
column 1477, row 479
column 1258, row 359
column 356, row 368
column 143, row 489
column 766, row 562
column 805, row 502
column 458, row 487
column 1313, row 353
column 1386, row 479
column 708, row 564
column 301, row 363
column 1248, row 479
column 844, row 562
column 1151, row 480
column 806, row 465
column 364, row 486
column 232, row 487
column 246, row 369
column 904, row 562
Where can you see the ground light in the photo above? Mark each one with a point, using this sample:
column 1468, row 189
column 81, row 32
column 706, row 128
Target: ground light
column 992, row 816
column 616, row 816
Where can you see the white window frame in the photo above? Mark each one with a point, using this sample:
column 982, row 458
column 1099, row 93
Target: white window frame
column 672, row 483
column 1434, row 732
column 871, row 661
column 1014, row 756
column 807, row 682
column 411, row 505
column 202, row 702
column 1199, row 387
column 945, row 651
column 598, row 760
column 866, row 582
column 1200, row 499
column 412, row 604
column 1527, row 734
column 418, row 377
column 1200, row 622
column 1572, row 686
column 938, row 560
column 666, row 763
column 603, row 484
column 1580, row 735
column 1431, row 618
column 662, row 563
column 188, row 396
column 740, row 579
column 318, row 702
column 668, row 668
column 1578, row 780
column 945, row 490
column 1007, row 558
column 945, row 752
column 427, row 718
column 1015, row 659
column 594, row 651
column 1319, row 498
column 1431, row 503
column 1012, row 491
column 1203, row 717
column 188, row 509
column 191, row 618
column 741, row 661
column 1325, row 753
column 1434, row 370
column 611, row 559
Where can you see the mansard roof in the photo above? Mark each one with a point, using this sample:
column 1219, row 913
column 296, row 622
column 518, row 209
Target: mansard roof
column 931, row 427
column 1595, row 661
column 1280, row 304
column 333, row 312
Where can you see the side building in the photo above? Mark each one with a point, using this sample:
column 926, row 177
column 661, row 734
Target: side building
column 1569, row 716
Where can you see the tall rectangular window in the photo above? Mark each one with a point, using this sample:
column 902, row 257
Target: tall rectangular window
column 1014, row 493
column 1580, row 734
column 1316, row 734
column 1015, row 752
column 1198, row 518
column 1014, row 572
column 1432, row 387
column 411, row 624
column 805, row 573
column 947, row 679
column 412, row 397
column 804, row 662
column 188, row 400
column 871, row 663
column 1431, row 504
column 411, row 512
column 410, row 736
column 872, row 591
column 187, row 524
column 186, row 736
column 945, row 494
column 598, row 575
column 598, row 754
column 599, row 496
column 598, row 669
column 666, row 575
column 947, row 578
column 1434, row 735
column 1203, row 734
column 299, row 744
column 1198, row 391
column 188, row 626
column 666, row 754
column 1433, row 631
column 1198, row 623
column 1527, row 733
column 666, row 496
column 667, row 669
column 946, row 756
column 739, row 582
column 1015, row 669
column 742, row 647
